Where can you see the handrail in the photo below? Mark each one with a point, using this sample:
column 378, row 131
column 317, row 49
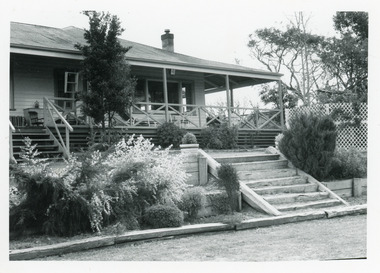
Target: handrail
column 11, row 126
column 11, row 130
column 68, row 128
column 59, row 114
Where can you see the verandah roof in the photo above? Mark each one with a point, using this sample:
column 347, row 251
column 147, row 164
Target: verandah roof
column 55, row 42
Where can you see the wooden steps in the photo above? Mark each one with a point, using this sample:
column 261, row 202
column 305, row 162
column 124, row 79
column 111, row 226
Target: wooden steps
column 38, row 135
column 274, row 182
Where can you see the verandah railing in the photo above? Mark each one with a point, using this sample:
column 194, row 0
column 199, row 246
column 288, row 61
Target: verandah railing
column 200, row 116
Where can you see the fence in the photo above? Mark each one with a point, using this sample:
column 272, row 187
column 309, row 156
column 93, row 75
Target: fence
column 352, row 123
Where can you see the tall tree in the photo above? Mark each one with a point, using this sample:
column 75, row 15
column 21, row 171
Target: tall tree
column 345, row 58
column 111, row 88
column 293, row 51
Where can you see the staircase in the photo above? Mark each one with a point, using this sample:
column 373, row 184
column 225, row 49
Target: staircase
column 39, row 136
column 282, row 187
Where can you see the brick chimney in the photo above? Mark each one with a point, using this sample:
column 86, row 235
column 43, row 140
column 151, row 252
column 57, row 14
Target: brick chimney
column 167, row 41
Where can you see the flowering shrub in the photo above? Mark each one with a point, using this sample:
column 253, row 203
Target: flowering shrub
column 98, row 189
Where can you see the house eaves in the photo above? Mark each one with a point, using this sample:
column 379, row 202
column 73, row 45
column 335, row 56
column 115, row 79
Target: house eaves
column 59, row 43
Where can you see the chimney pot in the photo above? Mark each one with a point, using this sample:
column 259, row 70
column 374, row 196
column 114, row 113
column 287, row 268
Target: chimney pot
column 167, row 41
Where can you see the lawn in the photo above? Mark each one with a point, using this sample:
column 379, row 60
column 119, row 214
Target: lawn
column 337, row 238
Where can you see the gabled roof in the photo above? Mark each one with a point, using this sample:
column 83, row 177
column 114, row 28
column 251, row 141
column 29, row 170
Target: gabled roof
column 49, row 41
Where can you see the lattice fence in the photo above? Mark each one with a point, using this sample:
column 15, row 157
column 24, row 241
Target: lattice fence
column 349, row 135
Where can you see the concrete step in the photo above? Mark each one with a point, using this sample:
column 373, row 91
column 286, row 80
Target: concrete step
column 260, row 165
column 295, row 197
column 236, row 158
column 298, row 188
column 308, row 205
column 283, row 181
column 266, row 174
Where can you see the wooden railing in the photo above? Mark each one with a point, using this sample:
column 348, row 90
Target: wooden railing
column 11, row 130
column 200, row 116
column 50, row 115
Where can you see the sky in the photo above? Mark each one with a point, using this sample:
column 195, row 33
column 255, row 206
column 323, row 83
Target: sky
column 208, row 29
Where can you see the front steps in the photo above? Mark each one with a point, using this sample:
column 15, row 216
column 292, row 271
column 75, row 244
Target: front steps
column 269, row 176
column 39, row 136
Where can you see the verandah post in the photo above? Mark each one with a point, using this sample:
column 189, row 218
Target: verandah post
column 165, row 95
column 281, row 104
column 228, row 99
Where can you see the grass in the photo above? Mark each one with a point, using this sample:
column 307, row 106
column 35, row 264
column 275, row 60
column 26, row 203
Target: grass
column 336, row 238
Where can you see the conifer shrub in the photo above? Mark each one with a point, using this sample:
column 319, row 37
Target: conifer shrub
column 309, row 144
column 160, row 216
column 169, row 134
column 192, row 201
column 228, row 178
column 189, row 138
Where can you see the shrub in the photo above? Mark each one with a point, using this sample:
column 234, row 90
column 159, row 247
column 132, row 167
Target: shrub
column 309, row 144
column 229, row 179
column 347, row 164
column 189, row 138
column 221, row 137
column 169, row 134
column 193, row 200
column 49, row 206
column 160, row 216
column 220, row 203
column 96, row 190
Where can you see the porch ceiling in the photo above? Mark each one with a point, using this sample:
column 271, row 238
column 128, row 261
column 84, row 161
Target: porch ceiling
column 216, row 82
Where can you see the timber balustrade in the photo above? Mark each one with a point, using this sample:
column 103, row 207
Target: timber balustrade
column 50, row 116
column 11, row 130
column 200, row 116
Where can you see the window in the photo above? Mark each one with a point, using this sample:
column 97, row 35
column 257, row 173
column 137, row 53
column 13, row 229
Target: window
column 71, row 82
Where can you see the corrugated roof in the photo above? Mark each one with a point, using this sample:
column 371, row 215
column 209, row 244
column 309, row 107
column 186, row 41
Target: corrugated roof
column 55, row 39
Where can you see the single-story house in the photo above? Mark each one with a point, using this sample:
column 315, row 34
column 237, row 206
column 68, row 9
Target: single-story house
column 45, row 75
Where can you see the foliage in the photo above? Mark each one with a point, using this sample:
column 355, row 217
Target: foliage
column 270, row 95
column 228, row 178
column 160, row 216
column 169, row 134
column 192, row 201
column 111, row 88
column 346, row 59
column 103, row 140
column 189, row 138
column 294, row 50
column 220, row 203
column 348, row 164
column 29, row 153
column 309, row 143
column 219, row 137
column 97, row 189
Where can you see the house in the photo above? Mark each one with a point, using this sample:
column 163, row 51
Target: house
column 45, row 75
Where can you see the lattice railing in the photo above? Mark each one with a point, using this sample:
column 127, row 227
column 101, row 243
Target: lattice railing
column 350, row 133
